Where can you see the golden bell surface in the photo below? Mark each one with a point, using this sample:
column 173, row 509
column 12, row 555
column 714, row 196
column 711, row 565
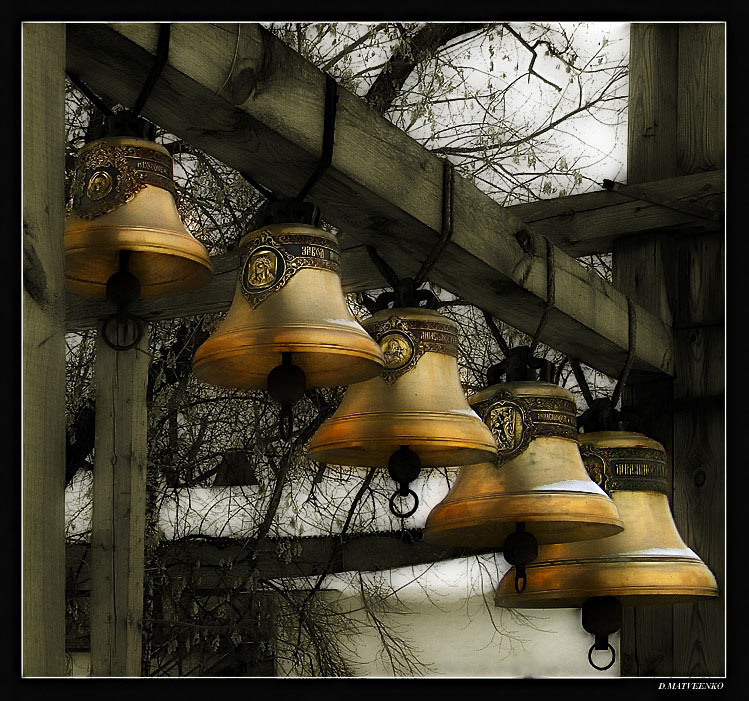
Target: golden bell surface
column 123, row 200
column 647, row 563
column 288, row 299
column 538, row 479
column 417, row 401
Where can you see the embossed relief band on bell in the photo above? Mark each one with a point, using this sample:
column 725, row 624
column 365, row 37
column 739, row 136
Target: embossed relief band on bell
column 404, row 341
column 269, row 262
column 631, row 468
column 107, row 176
column 516, row 420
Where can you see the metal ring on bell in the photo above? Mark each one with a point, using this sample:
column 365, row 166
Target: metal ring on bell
column 611, row 661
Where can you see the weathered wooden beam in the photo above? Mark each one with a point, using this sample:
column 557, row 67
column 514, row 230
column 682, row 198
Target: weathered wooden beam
column 119, row 508
column 226, row 563
column 245, row 98
column 43, row 351
column 590, row 223
column 579, row 225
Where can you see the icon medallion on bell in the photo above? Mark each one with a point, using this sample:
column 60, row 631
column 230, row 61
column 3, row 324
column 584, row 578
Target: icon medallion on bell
column 262, row 269
column 397, row 349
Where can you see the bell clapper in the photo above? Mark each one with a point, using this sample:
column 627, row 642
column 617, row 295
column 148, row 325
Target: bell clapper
column 404, row 466
column 123, row 290
column 286, row 385
column 520, row 549
column 602, row 616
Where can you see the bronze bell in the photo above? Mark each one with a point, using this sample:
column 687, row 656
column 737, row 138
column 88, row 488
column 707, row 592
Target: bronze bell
column 416, row 403
column 647, row 563
column 538, row 479
column 123, row 201
column 288, row 307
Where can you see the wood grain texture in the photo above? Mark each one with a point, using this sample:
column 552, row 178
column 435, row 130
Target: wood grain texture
column 590, row 223
column 43, row 351
column 255, row 104
column 675, row 81
column 699, row 512
column 119, row 499
column 699, row 311
column 700, row 136
column 653, row 102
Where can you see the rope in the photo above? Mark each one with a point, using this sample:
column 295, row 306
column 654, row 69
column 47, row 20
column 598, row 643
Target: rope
column 632, row 341
column 549, row 295
column 233, row 60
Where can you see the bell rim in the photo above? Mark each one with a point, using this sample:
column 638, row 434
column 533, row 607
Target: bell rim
column 637, row 581
column 206, row 367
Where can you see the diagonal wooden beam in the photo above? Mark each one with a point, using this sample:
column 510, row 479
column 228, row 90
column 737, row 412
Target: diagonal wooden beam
column 590, row 223
column 245, row 98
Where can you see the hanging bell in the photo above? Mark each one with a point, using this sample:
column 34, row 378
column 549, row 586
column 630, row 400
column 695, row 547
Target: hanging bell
column 123, row 201
column 538, row 479
column 647, row 563
column 288, row 312
column 416, row 405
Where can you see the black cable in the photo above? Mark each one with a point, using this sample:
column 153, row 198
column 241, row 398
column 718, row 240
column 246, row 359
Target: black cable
column 582, row 383
column 549, row 294
column 162, row 53
column 92, row 97
column 391, row 277
column 331, row 101
column 448, row 179
column 632, row 341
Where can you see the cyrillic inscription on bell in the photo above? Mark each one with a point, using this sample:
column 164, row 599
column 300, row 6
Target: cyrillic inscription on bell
column 417, row 401
column 647, row 563
column 538, row 479
column 288, row 300
column 122, row 201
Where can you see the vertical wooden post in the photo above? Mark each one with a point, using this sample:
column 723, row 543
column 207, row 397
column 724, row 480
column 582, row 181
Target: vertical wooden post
column 698, row 313
column 43, row 350
column 676, row 128
column 119, row 502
